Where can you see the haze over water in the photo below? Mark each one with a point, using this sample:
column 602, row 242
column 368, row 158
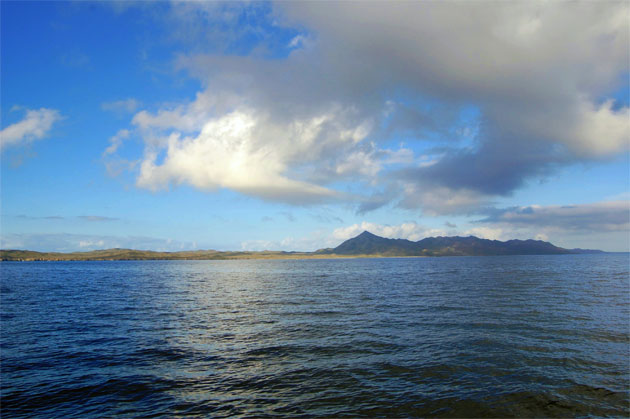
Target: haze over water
column 399, row 337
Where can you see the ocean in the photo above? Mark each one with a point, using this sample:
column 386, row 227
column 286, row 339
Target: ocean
column 505, row 336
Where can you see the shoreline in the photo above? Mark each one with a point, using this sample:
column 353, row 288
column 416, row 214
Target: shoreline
column 235, row 257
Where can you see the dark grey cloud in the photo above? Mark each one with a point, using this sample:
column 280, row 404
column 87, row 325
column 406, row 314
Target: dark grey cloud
column 498, row 166
column 598, row 217
column 377, row 200
column 533, row 112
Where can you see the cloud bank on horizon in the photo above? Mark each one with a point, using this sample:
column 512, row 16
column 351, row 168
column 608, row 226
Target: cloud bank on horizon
column 433, row 108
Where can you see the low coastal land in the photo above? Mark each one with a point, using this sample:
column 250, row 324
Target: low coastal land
column 129, row 254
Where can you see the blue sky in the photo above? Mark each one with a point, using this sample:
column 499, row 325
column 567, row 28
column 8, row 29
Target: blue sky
column 294, row 126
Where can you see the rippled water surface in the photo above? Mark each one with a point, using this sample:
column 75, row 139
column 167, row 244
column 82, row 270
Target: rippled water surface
column 400, row 337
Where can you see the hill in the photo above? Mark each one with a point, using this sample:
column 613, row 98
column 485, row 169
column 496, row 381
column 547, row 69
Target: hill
column 129, row 254
column 367, row 243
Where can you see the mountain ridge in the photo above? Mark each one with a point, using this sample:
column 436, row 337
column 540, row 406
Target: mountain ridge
column 368, row 243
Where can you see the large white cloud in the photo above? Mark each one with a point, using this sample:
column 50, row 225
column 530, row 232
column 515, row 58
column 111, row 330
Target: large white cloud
column 35, row 125
column 247, row 151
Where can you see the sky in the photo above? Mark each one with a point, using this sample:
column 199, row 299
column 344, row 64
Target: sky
column 178, row 125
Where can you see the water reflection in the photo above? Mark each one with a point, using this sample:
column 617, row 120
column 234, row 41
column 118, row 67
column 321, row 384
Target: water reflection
column 498, row 336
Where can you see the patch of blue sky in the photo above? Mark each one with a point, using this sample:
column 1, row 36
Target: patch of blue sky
column 576, row 184
column 620, row 94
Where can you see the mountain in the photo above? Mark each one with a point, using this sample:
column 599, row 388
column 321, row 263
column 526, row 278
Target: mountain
column 367, row 243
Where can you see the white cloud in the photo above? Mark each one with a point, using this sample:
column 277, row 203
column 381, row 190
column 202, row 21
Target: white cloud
column 128, row 105
column 437, row 200
column 487, row 233
column 410, row 231
column 91, row 244
column 35, row 125
column 116, row 141
column 297, row 41
column 318, row 239
column 601, row 130
column 359, row 162
column 244, row 150
column 400, row 156
column 541, row 236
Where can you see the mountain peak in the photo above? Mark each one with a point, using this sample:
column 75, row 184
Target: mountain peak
column 367, row 234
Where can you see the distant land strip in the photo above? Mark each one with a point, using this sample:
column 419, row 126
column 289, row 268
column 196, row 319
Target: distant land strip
column 129, row 254
column 365, row 244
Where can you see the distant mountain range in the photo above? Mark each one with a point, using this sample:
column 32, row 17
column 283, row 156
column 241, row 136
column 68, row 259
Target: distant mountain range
column 365, row 244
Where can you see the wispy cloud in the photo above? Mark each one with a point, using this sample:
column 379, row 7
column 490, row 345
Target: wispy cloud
column 116, row 141
column 326, row 218
column 128, row 105
column 90, row 218
column 96, row 218
column 75, row 59
column 35, row 125
column 47, row 217
column 63, row 242
column 289, row 216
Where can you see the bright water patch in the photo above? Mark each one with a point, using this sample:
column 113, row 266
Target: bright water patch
column 400, row 337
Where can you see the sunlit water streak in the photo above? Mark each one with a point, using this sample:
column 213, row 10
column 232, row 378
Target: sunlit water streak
column 400, row 337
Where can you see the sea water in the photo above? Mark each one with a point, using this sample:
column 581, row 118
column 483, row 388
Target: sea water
column 394, row 337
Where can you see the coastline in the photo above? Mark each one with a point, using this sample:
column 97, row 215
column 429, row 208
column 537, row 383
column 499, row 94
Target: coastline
column 6, row 256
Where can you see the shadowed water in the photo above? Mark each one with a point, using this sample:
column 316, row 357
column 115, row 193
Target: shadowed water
column 400, row 337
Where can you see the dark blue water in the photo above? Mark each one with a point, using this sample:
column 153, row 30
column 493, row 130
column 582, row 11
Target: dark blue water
column 401, row 337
